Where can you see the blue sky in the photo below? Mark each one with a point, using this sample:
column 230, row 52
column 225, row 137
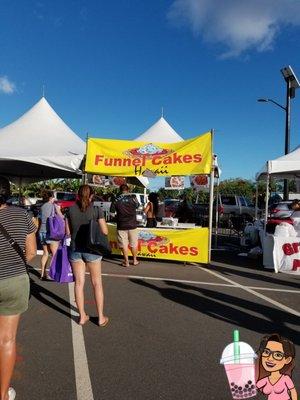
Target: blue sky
column 109, row 67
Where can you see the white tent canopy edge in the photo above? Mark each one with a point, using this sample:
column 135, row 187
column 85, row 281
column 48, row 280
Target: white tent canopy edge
column 284, row 167
column 40, row 145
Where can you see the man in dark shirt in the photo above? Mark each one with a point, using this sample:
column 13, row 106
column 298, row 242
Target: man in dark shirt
column 125, row 207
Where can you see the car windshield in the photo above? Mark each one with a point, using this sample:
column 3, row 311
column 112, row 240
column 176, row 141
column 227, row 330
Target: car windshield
column 142, row 197
column 284, row 206
column 171, row 202
column 228, row 200
column 62, row 196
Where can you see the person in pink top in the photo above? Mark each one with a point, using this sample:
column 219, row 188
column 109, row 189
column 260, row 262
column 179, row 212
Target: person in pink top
column 275, row 364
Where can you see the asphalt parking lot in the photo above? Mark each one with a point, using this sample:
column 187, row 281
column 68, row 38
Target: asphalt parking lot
column 168, row 326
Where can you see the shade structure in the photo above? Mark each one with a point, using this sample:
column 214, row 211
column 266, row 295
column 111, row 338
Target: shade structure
column 39, row 145
column 287, row 166
column 162, row 132
column 284, row 167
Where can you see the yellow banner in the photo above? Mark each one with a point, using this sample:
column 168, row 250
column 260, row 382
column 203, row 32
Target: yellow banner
column 134, row 158
column 168, row 244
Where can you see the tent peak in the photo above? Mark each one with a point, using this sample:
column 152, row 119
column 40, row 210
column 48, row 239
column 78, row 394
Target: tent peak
column 160, row 131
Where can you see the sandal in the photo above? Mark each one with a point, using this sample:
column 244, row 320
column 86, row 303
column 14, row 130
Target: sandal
column 104, row 323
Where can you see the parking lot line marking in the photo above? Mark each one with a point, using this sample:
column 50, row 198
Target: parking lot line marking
column 192, row 282
column 152, row 278
column 273, row 289
column 199, row 282
column 82, row 376
column 253, row 292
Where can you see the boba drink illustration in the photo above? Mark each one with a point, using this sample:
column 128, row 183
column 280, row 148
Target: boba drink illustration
column 238, row 359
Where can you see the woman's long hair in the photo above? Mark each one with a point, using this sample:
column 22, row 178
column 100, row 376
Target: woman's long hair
column 153, row 197
column 288, row 349
column 47, row 195
column 84, row 197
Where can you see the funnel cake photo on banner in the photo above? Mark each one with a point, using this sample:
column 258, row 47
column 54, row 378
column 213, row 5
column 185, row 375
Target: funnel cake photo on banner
column 146, row 237
column 174, row 182
column 117, row 181
column 149, row 150
column 99, row 180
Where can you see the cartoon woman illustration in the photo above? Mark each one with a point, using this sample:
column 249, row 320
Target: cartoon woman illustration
column 275, row 363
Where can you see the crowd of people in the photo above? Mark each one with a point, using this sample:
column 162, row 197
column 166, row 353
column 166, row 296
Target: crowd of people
column 18, row 246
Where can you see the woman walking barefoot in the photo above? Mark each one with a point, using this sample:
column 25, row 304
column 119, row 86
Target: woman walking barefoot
column 80, row 256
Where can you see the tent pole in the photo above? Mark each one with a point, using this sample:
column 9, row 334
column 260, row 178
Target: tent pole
column 217, row 213
column 85, row 175
column 256, row 200
column 267, row 203
column 20, row 190
column 211, row 199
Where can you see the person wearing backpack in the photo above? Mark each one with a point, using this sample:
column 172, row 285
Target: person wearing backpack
column 17, row 247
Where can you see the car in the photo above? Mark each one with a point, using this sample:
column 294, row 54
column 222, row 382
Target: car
column 24, row 201
column 233, row 205
column 64, row 199
column 171, row 206
column 140, row 215
column 281, row 210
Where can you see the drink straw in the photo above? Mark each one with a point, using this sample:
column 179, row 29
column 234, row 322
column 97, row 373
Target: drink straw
column 236, row 346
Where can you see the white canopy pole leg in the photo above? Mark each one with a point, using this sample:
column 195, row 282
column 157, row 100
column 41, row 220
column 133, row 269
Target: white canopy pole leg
column 20, row 191
column 267, row 204
column 256, row 200
column 217, row 213
column 211, row 200
column 85, row 175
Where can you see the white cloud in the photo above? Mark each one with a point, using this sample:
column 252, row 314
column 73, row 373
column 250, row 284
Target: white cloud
column 6, row 86
column 239, row 25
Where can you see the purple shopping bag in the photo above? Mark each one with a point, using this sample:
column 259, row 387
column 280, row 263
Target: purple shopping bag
column 60, row 267
column 55, row 226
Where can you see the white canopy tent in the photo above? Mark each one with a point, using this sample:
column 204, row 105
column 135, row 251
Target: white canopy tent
column 284, row 167
column 39, row 145
column 287, row 166
column 161, row 131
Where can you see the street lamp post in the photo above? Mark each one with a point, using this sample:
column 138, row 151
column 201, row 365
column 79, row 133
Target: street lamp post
column 292, row 84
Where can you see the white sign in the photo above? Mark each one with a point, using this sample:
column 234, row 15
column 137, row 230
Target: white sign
column 105, row 181
column 286, row 254
column 174, row 182
column 200, row 182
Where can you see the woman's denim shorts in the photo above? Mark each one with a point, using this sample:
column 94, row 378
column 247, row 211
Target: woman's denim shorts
column 82, row 256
